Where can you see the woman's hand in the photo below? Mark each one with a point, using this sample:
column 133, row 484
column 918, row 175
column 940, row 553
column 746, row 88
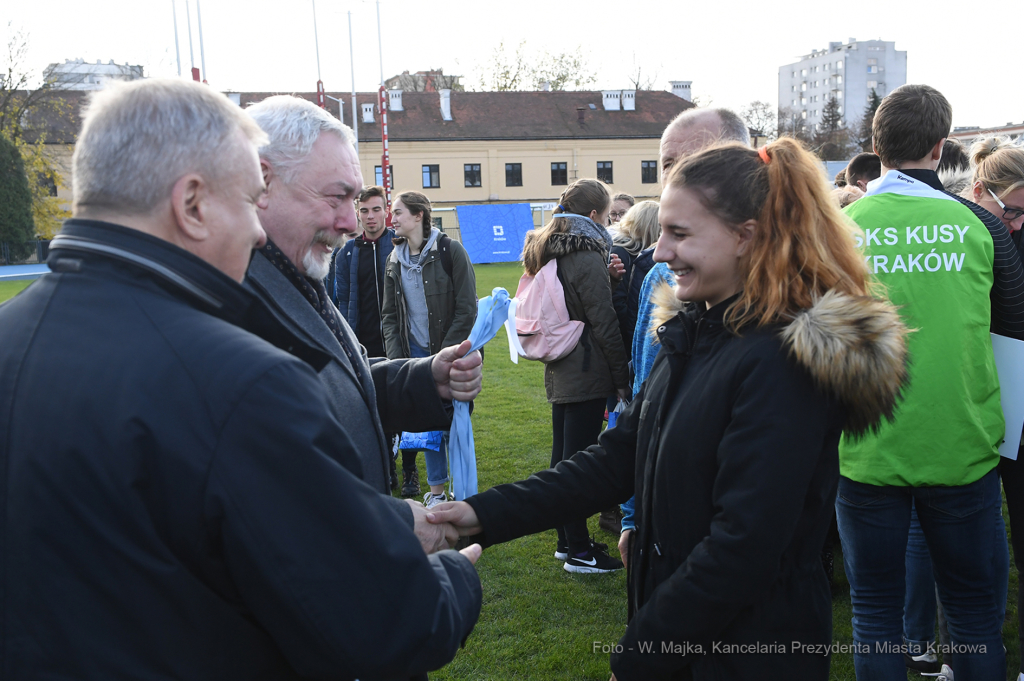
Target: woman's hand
column 460, row 514
column 615, row 267
column 623, row 394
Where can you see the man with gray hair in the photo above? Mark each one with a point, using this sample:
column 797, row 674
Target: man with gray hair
column 197, row 511
column 694, row 129
column 313, row 178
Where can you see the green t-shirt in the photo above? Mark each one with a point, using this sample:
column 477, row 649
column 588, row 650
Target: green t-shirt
column 935, row 258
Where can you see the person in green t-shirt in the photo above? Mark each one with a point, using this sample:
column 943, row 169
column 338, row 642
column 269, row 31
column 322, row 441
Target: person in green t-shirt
column 955, row 276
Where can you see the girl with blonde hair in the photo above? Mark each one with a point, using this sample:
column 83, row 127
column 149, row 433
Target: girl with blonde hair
column 997, row 184
column 772, row 347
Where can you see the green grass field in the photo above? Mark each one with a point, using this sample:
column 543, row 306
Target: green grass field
column 9, row 289
column 538, row 621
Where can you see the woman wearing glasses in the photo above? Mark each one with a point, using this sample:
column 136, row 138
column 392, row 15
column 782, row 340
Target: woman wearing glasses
column 997, row 186
column 998, row 182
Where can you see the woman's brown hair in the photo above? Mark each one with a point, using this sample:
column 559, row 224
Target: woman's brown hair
column 580, row 198
column 802, row 246
column 418, row 204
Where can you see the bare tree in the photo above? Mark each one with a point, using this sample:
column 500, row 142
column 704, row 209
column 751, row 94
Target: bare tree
column 791, row 123
column 639, row 80
column 762, row 118
column 517, row 71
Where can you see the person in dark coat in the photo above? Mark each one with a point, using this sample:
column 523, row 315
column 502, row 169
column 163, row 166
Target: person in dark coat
column 355, row 282
column 180, row 501
column 731, row 445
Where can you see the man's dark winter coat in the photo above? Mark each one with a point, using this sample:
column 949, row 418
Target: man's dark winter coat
column 731, row 450
column 356, row 285
column 178, row 500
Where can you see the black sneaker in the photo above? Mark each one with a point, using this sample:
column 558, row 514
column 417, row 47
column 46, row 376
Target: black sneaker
column 411, row 488
column 593, row 561
column 562, row 551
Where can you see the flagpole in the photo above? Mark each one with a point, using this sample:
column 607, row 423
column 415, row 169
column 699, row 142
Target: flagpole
column 177, row 52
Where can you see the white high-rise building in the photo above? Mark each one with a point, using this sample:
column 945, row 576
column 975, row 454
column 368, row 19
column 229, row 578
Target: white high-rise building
column 77, row 74
column 848, row 72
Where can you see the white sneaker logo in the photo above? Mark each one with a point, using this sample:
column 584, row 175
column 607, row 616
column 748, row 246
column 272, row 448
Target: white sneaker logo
column 592, row 562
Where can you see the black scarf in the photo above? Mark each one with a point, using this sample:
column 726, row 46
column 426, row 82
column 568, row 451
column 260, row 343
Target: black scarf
column 312, row 289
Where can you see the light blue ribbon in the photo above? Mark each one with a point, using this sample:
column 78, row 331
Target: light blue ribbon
column 492, row 313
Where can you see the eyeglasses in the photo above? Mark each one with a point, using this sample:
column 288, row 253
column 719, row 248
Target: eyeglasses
column 615, row 215
column 1009, row 214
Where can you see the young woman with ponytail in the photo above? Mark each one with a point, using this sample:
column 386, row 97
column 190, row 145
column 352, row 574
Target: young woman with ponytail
column 772, row 347
column 579, row 384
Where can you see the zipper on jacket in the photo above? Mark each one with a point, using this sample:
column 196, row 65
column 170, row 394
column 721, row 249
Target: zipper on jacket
column 376, row 291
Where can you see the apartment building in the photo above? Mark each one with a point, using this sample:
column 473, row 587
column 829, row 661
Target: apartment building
column 849, row 72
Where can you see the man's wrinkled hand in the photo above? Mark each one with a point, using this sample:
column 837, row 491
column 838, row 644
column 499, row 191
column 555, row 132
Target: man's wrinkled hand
column 433, row 536
column 459, row 514
column 458, row 376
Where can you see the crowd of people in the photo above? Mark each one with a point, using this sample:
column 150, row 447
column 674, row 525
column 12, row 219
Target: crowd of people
column 241, row 349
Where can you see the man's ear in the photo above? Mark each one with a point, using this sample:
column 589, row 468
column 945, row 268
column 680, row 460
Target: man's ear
column 268, row 174
column 190, row 204
column 937, row 150
column 746, row 237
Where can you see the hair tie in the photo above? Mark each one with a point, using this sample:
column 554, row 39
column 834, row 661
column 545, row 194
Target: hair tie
column 561, row 208
column 763, row 153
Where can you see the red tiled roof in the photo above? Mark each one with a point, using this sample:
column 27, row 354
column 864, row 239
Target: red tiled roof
column 507, row 115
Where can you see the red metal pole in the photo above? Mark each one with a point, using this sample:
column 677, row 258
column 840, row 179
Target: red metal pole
column 385, row 161
column 320, row 95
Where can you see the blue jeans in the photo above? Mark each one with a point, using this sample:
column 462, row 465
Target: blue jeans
column 920, row 609
column 874, row 522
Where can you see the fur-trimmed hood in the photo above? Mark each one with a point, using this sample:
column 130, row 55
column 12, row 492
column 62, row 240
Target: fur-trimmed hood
column 556, row 246
column 955, row 181
column 855, row 348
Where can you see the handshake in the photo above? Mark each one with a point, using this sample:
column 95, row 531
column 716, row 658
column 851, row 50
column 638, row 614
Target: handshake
column 440, row 527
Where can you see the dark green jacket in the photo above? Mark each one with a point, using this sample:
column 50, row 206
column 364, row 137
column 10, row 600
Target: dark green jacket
column 597, row 366
column 451, row 301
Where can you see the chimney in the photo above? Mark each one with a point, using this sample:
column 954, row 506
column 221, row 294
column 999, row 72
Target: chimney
column 446, row 104
column 367, row 112
column 681, row 88
column 545, row 86
column 629, row 100
column 579, row 114
column 395, row 100
column 610, row 98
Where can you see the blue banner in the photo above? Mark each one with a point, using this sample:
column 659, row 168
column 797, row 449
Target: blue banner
column 494, row 233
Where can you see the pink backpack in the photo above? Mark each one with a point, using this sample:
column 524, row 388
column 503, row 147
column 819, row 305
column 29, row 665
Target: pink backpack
column 542, row 319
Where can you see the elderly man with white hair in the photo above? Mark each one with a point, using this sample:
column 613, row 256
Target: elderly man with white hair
column 179, row 500
column 312, row 175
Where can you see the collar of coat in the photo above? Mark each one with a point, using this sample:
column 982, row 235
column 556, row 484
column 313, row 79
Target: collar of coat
column 82, row 244
column 854, row 347
column 564, row 243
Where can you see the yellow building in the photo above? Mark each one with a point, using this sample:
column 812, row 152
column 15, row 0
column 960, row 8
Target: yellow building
column 463, row 148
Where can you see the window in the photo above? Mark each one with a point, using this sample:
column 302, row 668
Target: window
column 604, row 171
column 559, row 174
column 472, row 174
column 431, row 177
column 513, row 174
column 436, row 223
column 803, row 114
column 871, row 84
column 803, row 101
column 839, row 65
column 803, row 72
column 794, row 88
column 648, row 172
column 826, row 66
column 839, row 80
column 872, row 69
column 794, row 74
column 803, row 87
column 839, row 94
column 378, row 176
column 872, row 62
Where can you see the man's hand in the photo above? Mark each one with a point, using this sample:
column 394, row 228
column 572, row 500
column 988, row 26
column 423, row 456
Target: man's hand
column 472, row 552
column 457, row 377
column 624, row 547
column 433, row 536
column 460, row 514
column 615, row 267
